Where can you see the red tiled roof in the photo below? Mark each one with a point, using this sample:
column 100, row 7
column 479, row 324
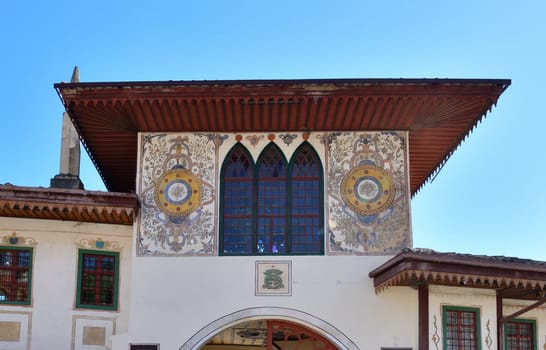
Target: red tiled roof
column 64, row 204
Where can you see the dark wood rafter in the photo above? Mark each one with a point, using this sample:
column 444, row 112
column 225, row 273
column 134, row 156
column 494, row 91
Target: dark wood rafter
column 437, row 113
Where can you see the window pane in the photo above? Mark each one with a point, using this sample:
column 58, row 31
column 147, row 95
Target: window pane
column 519, row 335
column 237, row 199
column 98, row 284
column 15, row 275
column 306, row 202
column 271, row 216
column 263, row 207
column 461, row 329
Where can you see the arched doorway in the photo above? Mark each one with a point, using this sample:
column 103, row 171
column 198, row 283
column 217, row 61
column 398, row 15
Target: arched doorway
column 274, row 318
column 270, row 335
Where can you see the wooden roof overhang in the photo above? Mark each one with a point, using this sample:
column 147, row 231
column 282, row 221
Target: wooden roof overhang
column 513, row 278
column 438, row 113
column 72, row 205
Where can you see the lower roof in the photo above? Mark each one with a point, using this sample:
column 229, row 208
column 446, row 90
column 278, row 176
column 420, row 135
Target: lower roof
column 437, row 113
column 514, row 278
column 63, row 204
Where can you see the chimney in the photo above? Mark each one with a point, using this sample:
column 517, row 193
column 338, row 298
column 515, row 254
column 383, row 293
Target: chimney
column 69, row 172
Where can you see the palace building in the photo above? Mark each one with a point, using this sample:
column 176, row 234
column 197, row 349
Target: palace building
column 251, row 214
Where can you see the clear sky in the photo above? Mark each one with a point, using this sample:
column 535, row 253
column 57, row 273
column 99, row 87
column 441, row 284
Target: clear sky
column 488, row 199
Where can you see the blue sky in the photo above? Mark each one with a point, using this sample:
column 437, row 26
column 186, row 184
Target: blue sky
column 488, row 199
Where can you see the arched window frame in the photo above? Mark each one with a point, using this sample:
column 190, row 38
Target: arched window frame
column 254, row 246
column 237, row 148
column 271, row 230
column 320, row 199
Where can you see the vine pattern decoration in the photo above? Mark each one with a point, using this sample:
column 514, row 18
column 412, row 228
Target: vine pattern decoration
column 488, row 340
column 435, row 336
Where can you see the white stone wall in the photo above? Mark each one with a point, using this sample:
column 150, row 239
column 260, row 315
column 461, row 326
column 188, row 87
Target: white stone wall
column 51, row 319
column 179, row 288
column 173, row 298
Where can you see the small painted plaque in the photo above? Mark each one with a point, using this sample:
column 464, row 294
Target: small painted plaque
column 273, row 278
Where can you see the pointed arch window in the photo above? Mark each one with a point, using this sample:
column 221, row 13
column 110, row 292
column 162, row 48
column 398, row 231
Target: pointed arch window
column 306, row 207
column 273, row 206
column 237, row 201
column 272, row 197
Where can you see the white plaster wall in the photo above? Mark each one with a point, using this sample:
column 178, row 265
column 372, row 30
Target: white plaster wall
column 485, row 300
column 54, row 277
column 482, row 299
column 174, row 297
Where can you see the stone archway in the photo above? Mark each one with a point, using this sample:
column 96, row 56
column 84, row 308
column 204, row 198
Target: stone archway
column 316, row 325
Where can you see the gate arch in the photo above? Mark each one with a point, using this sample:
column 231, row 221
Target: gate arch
column 321, row 327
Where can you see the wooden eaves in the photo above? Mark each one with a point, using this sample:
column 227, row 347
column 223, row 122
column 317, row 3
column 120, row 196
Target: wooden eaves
column 510, row 278
column 72, row 205
column 514, row 278
column 437, row 113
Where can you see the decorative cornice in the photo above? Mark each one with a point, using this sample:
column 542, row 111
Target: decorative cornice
column 407, row 277
column 64, row 204
column 515, row 278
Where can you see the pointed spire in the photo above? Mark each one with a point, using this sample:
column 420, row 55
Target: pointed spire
column 69, row 172
column 75, row 75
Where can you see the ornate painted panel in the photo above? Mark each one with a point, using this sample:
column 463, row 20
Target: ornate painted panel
column 368, row 198
column 366, row 189
column 177, row 190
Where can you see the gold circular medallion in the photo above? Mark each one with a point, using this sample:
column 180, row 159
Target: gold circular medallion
column 178, row 192
column 368, row 189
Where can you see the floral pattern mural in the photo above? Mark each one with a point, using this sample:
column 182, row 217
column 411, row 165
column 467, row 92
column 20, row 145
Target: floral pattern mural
column 177, row 190
column 368, row 197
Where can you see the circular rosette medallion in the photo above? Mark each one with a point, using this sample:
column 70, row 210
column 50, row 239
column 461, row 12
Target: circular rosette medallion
column 178, row 192
column 368, row 190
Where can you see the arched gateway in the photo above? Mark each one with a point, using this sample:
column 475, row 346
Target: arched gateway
column 276, row 328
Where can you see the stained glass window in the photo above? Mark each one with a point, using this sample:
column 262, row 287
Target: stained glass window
column 237, row 201
column 15, row 275
column 272, row 197
column 272, row 207
column 306, row 201
column 98, row 279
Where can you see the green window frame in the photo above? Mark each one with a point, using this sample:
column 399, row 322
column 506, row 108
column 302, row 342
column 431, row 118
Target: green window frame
column 98, row 280
column 461, row 328
column 15, row 275
column 520, row 334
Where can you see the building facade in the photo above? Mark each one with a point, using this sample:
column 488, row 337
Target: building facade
column 252, row 214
